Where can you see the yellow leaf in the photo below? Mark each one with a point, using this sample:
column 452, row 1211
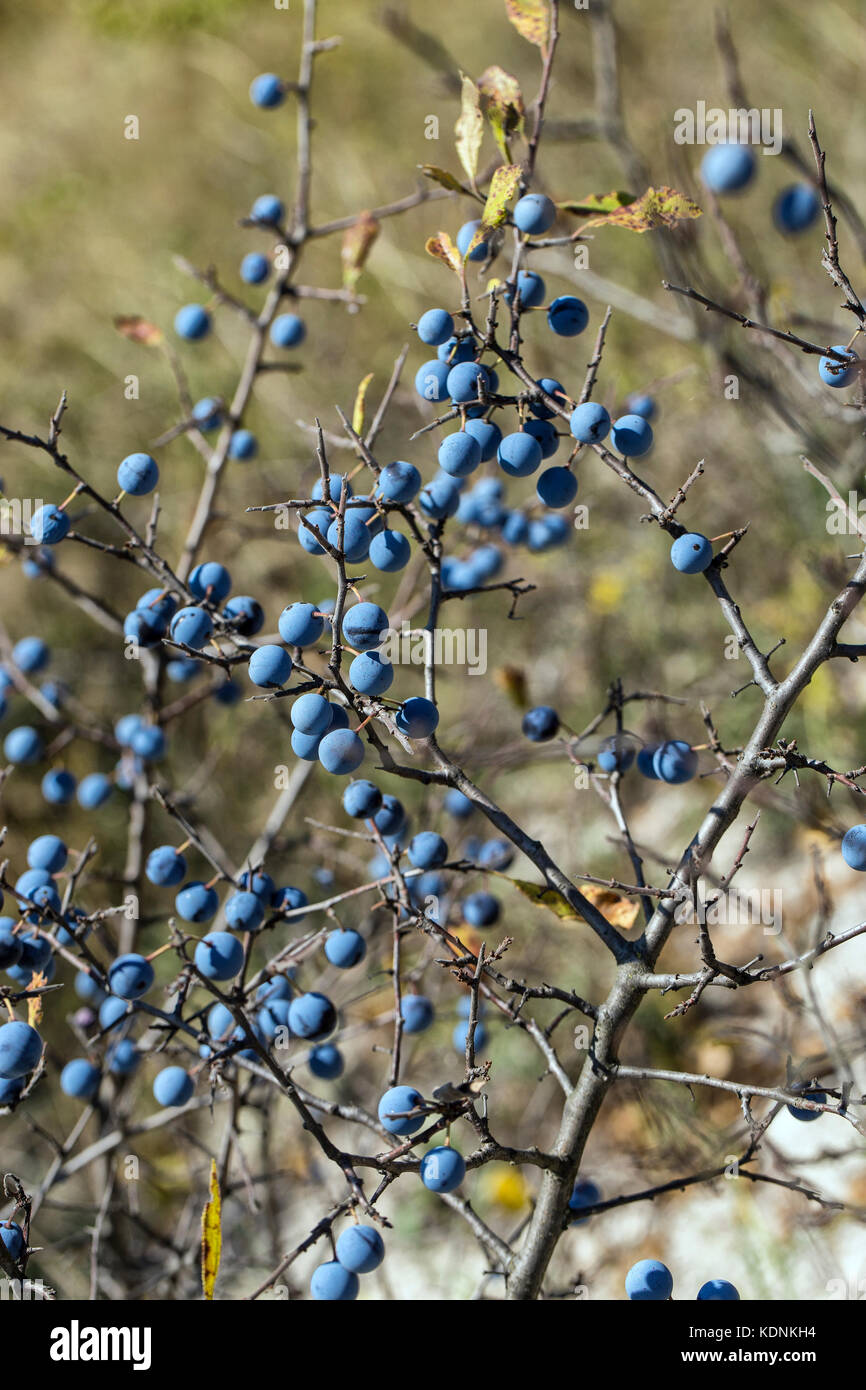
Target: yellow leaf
column 598, row 202
column 359, row 413
column 443, row 176
column 503, row 103
column 531, row 19
column 512, row 681
column 139, row 330
column 357, row 242
column 442, row 247
column 34, row 1006
column 619, row 911
column 469, row 128
column 658, row 207
column 503, row 187
column 211, row 1235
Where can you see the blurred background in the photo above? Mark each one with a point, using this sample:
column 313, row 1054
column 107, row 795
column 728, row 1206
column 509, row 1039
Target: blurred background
column 90, row 223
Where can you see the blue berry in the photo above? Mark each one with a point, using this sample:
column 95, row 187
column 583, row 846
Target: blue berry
column 299, row 626
column 551, row 387
column 727, row 168
column 568, row 316
column 641, row 404
column 22, row 745
column 130, row 976
column 288, row 331
column 459, row 454
column 341, row 752
column 321, row 519
column 394, row 1107
column 488, row 435
column 270, row 666
column 464, row 238
column 615, row 755
column 370, row 674
column 431, row 380
column 833, row 372
column 465, row 380
column 365, row 626
column 207, row 414
column 49, row 525
column 192, row 322
column 800, row 1112
column 243, row 445
column 192, row 627
column 481, row 909
column 534, row 214
column 111, row 1011
column 645, row 759
column 390, row 551
column 427, row 850
column 289, row 899
column 196, row 902
column 360, row 1249
column 495, row 854
column 590, row 423
column 345, row 948
column 457, row 804
column 392, row 817
column 123, row 1057
column 326, row 1061
column 219, row 956
column 691, row 553
column 138, row 474
column 220, row 1021
column 311, row 714
column 149, row 742
column 854, row 847
column 530, row 287
column 519, row 454
column 440, row 498
column 540, row 723
column 87, row 988
column 146, row 628
column 417, row 717
column 435, row 327
column 20, row 1049
column 12, row 1237
column 255, row 268
column 58, row 787
column 461, row 1032
column 795, row 209
column 30, row 655
column 267, row 90
column 47, row 852
column 268, row 210
column 173, row 1086
column 515, row 528
column 80, row 1079
column 557, row 486
column 10, row 1090
column 718, row 1291
column 312, row 1016
column 94, row 790
column 675, row 762
column 442, row 1169
column 210, row 581
column 585, row 1193
column 361, row 800
column 398, row 482
column 332, row 1283
column 631, row 436
column 417, row 1013
column 10, row 945
column 649, row 1281
column 545, row 432
column 244, row 911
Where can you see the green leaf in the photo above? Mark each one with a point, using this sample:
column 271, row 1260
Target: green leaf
column 469, row 128
column 447, row 180
column 598, row 202
column 531, row 19
column 542, row 896
column 502, row 100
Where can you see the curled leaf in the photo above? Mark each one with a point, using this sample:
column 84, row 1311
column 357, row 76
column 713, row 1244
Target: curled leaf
column 502, row 101
column 443, row 176
column 531, row 19
column 469, row 128
column 619, row 911
column 34, row 1005
column 598, row 202
column 442, row 247
column 139, row 330
column 211, row 1235
column 357, row 243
